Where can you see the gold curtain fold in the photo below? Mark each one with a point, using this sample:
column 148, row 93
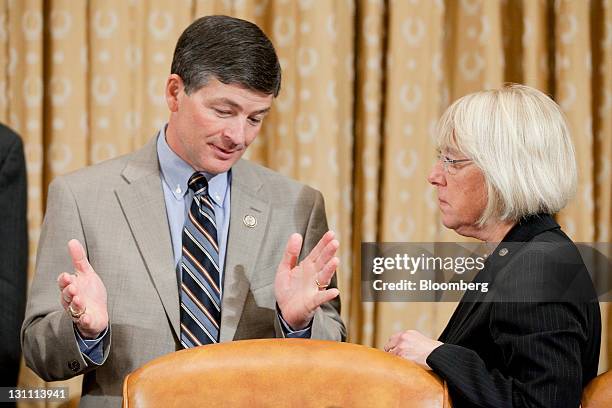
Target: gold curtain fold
column 364, row 82
column 369, row 81
column 414, row 88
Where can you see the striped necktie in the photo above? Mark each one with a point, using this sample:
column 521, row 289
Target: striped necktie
column 200, row 277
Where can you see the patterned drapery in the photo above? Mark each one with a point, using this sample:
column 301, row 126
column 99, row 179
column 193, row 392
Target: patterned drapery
column 363, row 83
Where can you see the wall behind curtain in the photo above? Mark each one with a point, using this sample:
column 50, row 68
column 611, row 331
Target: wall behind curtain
column 363, row 83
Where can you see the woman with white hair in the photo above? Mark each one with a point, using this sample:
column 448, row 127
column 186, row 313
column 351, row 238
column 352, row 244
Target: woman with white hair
column 506, row 165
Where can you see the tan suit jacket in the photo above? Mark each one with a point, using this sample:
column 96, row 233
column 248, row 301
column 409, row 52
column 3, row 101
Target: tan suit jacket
column 117, row 210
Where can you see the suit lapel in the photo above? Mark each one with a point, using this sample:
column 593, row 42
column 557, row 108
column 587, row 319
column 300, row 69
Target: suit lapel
column 243, row 244
column 464, row 309
column 142, row 201
column 472, row 300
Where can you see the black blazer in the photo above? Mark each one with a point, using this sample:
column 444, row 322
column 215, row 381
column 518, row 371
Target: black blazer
column 13, row 252
column 519, row 346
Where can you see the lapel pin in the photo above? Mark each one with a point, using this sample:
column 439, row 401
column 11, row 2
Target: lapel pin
column 503, row 252
column 249, row 221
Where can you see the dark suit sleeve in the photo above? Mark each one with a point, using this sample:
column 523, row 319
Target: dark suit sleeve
column 539, row 343
column 13, row 252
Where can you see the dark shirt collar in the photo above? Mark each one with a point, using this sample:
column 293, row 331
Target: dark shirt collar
column 530, row 226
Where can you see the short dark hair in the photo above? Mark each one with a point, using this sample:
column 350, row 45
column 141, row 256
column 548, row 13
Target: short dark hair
column 232, row 50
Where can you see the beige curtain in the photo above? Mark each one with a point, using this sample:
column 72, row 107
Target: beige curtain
column 363, row 83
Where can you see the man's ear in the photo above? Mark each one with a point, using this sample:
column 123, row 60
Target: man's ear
column 174, row 87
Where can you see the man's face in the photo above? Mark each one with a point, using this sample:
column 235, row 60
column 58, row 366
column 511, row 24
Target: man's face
column 211, row 128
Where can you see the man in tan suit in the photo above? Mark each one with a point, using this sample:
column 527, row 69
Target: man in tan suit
column 125, row 222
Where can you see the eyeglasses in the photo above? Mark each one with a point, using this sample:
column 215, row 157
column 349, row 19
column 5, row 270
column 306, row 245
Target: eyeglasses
column 449, row 164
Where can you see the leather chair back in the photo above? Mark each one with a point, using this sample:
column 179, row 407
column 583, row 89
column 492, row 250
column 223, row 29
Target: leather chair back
column 282, row 373
column 598, row 393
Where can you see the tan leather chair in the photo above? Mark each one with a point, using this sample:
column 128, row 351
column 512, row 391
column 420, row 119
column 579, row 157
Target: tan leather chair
column 282, row 373
column 598, row 393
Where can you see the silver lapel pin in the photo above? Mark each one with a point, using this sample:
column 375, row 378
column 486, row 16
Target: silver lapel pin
column 249, row 221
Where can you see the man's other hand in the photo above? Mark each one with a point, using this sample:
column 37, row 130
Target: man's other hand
column 83, row 294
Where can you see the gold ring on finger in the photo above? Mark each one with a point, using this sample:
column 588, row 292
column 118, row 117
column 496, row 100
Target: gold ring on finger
column 321, row 287
column 74, row 314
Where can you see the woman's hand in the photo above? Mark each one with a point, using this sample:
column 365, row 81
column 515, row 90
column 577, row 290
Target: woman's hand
column 413, row 346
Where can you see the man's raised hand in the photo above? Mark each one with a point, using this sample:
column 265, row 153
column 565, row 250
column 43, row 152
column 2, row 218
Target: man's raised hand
column 301, row 288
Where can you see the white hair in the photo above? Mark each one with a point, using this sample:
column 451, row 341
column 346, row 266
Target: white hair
column 519, row 138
